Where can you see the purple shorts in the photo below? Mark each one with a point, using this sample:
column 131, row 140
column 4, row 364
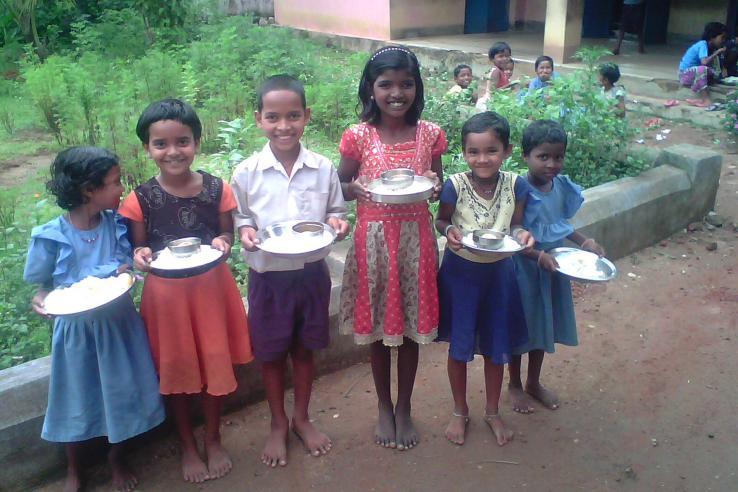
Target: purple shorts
column 289, row 307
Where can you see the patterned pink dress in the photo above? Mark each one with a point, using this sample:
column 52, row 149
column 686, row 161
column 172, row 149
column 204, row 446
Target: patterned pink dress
column 389, row 282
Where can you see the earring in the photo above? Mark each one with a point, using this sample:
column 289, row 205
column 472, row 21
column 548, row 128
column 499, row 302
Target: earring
column 371, row 97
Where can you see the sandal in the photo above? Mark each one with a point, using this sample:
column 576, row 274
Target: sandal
column 714, row 107
column 699, row 103
column 671, row 103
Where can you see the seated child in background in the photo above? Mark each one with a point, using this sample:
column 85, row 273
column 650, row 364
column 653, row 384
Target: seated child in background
column 499, row 56
column 288, row 298
column 544, row 67
column 509, row 69
column 609, row 75
column 463, row 78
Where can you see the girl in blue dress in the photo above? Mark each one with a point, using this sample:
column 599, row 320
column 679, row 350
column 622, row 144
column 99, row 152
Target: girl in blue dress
column 480, row 310
column 546, row 295
column 103, row 381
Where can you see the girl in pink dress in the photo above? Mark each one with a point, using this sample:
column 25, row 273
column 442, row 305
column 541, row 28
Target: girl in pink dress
column 389, row 295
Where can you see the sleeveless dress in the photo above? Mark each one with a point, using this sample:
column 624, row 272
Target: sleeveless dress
column 481, row 310
column 389, row 283
column 103, row 381
column 197, row 326
column 547, row 299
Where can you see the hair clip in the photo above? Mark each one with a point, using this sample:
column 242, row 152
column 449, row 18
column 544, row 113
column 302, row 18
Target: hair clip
column 389, row 48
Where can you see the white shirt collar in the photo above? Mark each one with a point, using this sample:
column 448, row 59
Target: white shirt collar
column 267, row 159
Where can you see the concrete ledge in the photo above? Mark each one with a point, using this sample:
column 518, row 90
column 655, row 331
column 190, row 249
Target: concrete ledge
column 625, row 216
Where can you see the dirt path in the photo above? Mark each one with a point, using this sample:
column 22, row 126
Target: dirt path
column 17, row 170
column 649, row 396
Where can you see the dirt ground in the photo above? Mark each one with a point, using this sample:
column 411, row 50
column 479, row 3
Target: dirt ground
column 648, row 398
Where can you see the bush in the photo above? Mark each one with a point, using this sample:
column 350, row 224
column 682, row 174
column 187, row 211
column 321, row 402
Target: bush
column 598, row 138
column 730, row 123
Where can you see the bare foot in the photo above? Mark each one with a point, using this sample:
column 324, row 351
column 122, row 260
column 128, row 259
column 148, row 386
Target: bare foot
column 219, row 463
column 502, row 433
column 547, row 397
column 405, row 435
column 316, row 442
column 384, row 433
column 73, row 483
column 520, row 400
column 193, row 468
column 123, row 479
column 456, row 429
column 275, row 449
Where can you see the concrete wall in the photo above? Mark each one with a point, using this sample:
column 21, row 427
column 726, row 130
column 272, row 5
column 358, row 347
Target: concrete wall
column 412, row 18
column 688, row 17
column 365, row 19
column 625, row 216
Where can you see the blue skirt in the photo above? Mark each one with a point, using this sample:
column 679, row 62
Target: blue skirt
column 481, row 312
column 103, row 381
column 548, row 307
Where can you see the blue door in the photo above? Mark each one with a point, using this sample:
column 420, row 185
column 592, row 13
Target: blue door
column 487, row 16
column 596, row 18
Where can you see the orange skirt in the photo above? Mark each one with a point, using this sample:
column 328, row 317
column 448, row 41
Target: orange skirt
column 197, row 330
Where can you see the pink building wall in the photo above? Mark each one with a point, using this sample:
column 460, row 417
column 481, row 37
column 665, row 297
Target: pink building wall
column 373, row 19
column 361, row 18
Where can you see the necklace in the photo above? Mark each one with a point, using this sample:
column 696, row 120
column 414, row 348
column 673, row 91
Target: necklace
column 482, row 189
column 87, row 240
column 90, row 240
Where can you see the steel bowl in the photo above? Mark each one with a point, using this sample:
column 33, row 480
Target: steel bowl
column 309, row 228
column 398, row 178
column 488, row 238
column 184, row 247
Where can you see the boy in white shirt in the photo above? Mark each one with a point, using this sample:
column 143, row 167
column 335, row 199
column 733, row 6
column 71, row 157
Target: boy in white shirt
column 288, row 298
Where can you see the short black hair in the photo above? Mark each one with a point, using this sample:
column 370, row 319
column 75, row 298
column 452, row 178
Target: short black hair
column 459, row 68
column 79, row 169
column 390, row 58
column 540, row 132
column 544, row 58
column 610, row 71
column 488, row 121
column 281, row 82
column 713, row 29
column 498, row 47
column 168, row 109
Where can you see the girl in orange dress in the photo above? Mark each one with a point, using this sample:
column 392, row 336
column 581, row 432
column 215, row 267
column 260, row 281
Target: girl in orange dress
column 389, row 296
column 197, row 326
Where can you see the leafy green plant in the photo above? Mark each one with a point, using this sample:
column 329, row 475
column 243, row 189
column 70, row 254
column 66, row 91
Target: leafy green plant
column 730, row 122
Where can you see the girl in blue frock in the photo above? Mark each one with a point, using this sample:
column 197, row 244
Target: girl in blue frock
column 546, row 295
column 480, row 311
column 103, row 381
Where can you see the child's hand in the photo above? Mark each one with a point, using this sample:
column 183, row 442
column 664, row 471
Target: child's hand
column 454, row 237
column 142, row 257
column 221, row 244
column 248, row 238
column 358, row 189
column 592, row 246
column 436, row 184
column 547, row 262
column 340, row 226
column 123, row 268
column 37, row 303
column 525, row 239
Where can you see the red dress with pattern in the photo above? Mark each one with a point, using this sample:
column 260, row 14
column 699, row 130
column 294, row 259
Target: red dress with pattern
column 389, row 285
